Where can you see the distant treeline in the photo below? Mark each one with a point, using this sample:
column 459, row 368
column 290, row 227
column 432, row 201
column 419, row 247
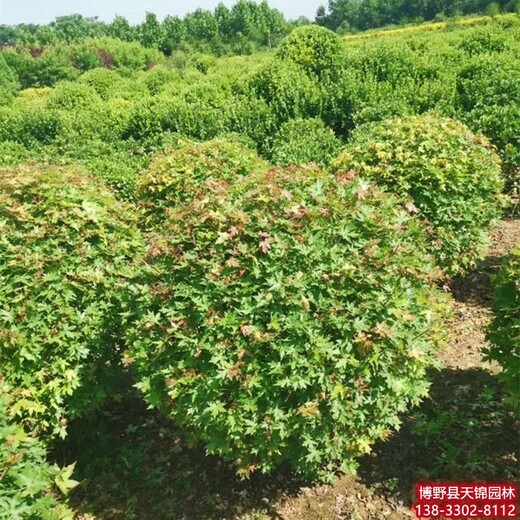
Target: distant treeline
column 241, row 29
column 349, row 15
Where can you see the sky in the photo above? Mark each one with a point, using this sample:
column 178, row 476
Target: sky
column 13, row 12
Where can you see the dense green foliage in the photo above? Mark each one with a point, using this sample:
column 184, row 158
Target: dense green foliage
column 348, row 15
column 8, row 82
column 504, row 332
column 302, row 141
column 287, row 318
column 452, row 176
column 130, row 102
column 27, row 481
column 65, row 251
column 488, row 90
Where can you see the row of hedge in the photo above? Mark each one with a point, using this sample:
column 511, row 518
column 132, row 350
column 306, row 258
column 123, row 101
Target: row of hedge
column 287, row 106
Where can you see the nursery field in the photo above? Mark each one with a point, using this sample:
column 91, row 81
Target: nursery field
column 277, row 285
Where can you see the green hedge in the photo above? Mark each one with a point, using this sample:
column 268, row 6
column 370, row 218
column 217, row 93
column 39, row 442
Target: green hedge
column 286, row 317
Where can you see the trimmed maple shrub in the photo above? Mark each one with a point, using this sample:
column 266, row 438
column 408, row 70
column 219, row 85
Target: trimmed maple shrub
column 286, row 317
column 183, row 173
column 27, row 481
column 302, row 141
column 452, row 176
column 504, row 332
column 66, row 249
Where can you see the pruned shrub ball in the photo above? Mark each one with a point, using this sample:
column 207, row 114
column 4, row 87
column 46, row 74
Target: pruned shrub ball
column 286, row 317
column 303, row 141
column 445, row 173
column 316, row 49
column 66, row 250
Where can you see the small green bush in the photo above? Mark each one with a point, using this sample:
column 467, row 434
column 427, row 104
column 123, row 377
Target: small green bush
column 127, row 57
column 99, row 121
column 182, row 174
column 156, row 79
column 489, row 81
column 504, row 332
column 286, row 317
column 147, row 119
column 115, row 164
column 30, row 125
column 44, row 70
column 394, row 64
column 72, row 96
column 316, row 49
column 12, row 153
column 252, row 117
column 289, row 92
column 27, row 482
column 483, row 40
column 203, row 62
column 488, row 101
column 501, row 124
column 66, row 247
column 302, row 141
column 452, row 176
column 105, row 82
column 202, row 119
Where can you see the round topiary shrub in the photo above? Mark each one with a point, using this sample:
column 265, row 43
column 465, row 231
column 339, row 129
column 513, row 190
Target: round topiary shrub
column 452, row 176
column 105, row 82
column 157, row 78
column 501, row 125
column 27, row 481
column 183, row 174
column 30, row 125
column 489, row 81
column 316, row 49
column 289, row 92
column 12, row 153
column 66, row 250
column 302, row 141
column 504, row 332
column 72, row 96
column 286, row 317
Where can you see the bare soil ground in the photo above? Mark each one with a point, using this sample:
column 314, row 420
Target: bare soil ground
column 136, row 465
